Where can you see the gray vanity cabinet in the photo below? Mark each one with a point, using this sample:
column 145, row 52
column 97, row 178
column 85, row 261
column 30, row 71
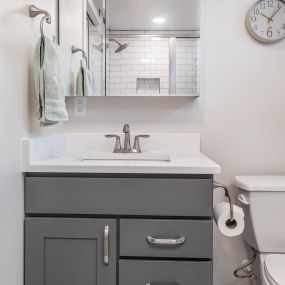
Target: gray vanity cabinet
column 160, row 229
column 68, row 251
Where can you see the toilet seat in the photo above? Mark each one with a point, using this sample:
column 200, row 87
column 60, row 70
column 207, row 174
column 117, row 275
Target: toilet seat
column 274, row 265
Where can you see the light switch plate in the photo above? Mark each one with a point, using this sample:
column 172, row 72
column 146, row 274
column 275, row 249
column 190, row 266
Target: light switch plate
column 80, row 106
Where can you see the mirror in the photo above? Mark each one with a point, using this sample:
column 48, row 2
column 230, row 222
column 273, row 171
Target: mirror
column 82, row 32
column 153, row 47
column 95, row 43
column 141, row 47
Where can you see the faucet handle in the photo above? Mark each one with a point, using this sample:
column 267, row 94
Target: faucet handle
column 118, row 146
column 137, row 147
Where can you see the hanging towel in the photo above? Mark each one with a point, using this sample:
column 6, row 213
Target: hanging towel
column 83, row 82
column 48, row 78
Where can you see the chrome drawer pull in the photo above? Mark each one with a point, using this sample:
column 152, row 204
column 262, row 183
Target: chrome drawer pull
column 106, row 245
column 162, row 241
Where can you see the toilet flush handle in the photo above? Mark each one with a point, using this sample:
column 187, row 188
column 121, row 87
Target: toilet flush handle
column 243, row 199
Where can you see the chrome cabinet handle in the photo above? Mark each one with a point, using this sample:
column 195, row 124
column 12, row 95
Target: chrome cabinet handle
column 106, row 245
column 161, row 241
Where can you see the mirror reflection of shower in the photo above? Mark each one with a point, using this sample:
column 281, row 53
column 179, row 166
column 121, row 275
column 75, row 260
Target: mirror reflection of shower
column 119, row 49
column 121, row 46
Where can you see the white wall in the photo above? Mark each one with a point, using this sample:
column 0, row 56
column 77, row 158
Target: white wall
column 240, row 116
column 18, row 36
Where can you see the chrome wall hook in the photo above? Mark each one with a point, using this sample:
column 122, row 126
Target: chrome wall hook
column 74, row 49
column 35, row 11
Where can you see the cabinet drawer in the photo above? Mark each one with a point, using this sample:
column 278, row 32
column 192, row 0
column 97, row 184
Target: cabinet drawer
column 166, row 238
column 119, row 196
column 133, row 272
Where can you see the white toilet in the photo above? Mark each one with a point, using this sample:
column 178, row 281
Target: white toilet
column 263, row 201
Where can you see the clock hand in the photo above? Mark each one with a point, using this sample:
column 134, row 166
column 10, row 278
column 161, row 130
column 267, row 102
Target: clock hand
column 269, row 19
column 274, row 13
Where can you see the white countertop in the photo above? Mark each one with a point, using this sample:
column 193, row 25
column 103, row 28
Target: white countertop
column 63, row 154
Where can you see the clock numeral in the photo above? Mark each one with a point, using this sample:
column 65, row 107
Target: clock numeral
column 262, row 6
column 253, row 19
column 270, row 3
column 278, row 33
column 269, row 32
column 255, row 27
column 256, row 12
column 262, row 33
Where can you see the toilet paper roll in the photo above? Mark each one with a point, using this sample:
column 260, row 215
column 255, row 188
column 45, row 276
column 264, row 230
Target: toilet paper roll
column 222, row 216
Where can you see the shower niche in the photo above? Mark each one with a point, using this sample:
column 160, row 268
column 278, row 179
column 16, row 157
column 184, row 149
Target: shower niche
column 142, row 48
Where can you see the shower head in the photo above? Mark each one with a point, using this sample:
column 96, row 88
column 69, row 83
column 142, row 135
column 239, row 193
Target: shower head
column 121, row 46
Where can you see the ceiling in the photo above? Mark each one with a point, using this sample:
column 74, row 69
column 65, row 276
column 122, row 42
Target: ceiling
column 138, row 14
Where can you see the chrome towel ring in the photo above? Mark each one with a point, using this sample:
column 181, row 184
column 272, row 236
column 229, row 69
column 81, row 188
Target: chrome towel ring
column 75, row 50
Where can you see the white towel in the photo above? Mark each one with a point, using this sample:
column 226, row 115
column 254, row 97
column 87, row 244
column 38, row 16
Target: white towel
column 83, row 82
column 48, row 80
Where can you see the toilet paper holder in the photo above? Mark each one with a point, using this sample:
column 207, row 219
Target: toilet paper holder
column 231, row 223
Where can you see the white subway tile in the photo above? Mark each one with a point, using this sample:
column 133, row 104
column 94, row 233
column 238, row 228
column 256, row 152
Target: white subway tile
column 180, row 61
column 115, row 80
column 181, row 73
column 164, row 79
column 150, row 67
column 162, row 67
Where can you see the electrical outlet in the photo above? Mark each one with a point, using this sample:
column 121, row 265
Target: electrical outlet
column 80, row 106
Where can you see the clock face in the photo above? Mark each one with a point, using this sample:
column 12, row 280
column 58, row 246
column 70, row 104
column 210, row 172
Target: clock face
column 265, row 21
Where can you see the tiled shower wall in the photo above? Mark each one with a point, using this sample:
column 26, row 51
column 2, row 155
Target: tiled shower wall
column 149, row 58
column 144, row 58
column 187, row 66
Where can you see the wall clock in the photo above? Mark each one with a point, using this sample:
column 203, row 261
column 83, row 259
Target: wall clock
column 265, row 21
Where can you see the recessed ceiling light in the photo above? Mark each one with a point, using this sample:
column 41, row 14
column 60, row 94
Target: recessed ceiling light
column 158, row 20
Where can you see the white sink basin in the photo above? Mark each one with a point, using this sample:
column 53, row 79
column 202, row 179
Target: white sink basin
column 127, row 156
column 92, row 153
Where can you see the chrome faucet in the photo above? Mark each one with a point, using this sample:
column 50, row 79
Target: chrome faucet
column 127, row 143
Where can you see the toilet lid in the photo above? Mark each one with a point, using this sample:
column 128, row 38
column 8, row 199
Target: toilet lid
column 274, row 266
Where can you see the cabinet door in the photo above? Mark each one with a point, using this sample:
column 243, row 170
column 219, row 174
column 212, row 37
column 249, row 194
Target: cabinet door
column 70, row 251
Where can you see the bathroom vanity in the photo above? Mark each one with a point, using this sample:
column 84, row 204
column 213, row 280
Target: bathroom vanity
column 117, row 222
column 141, row 215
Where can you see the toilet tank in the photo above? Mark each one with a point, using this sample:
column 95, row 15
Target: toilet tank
column 263, row 201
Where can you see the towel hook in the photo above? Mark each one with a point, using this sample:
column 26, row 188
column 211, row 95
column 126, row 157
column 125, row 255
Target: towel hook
column 35, row 11
column 74, row 49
